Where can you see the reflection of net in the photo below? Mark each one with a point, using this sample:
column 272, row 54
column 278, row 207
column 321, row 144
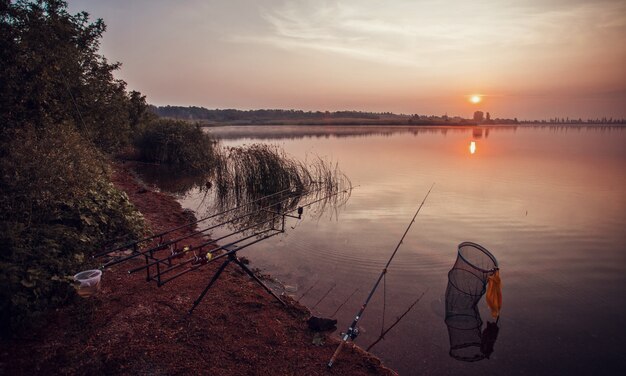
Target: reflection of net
column 467, row 281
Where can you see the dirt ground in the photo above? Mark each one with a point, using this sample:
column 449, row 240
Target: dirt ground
column 134, row 327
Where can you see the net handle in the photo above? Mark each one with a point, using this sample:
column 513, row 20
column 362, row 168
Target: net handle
column 484, row 250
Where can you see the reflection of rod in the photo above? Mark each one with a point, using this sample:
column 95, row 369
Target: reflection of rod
column 134, row 243
column 353, row 331
column 382, row 335
column 344, row 302
column 276, row 232
column 325, row 295
column 309, row 289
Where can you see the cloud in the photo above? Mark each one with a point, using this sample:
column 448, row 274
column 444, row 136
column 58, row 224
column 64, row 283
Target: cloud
column 415, row 34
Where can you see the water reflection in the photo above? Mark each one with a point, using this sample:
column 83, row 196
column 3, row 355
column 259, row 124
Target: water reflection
column 302, row 131
column 278, row 132
column 472, row 147
column 551, row 200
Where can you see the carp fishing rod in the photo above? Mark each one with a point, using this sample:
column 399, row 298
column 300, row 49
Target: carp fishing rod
column 164, row 245
column 209, row 257
column 161, row 234
column 353, row 330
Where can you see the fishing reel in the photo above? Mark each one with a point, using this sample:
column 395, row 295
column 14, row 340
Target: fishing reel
column 352, row 333
column 201, row 259
column 178, row 253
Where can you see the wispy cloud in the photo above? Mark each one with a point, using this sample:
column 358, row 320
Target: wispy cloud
column 418, row 33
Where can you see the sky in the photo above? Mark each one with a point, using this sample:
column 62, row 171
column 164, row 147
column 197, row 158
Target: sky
column 530, row 59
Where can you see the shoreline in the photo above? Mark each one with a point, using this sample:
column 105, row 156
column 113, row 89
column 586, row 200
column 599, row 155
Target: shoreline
column 133, row 327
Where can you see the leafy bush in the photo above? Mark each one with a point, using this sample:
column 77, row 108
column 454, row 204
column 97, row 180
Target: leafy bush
column 179, row 143
column 56, row 207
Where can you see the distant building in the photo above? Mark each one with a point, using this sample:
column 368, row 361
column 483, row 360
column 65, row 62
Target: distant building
column 479, row 116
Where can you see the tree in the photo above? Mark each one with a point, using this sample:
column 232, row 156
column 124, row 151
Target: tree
column 53, row 74
column 58, row 100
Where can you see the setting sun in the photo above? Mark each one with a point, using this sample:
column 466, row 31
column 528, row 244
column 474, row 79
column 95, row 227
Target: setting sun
column 475, row 99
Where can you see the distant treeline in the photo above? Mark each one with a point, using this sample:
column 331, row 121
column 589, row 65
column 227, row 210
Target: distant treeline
column 229, row 115
column 275, row 116
column 300, row 117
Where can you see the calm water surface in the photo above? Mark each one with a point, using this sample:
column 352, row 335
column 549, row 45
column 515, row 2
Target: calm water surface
column 548, row 202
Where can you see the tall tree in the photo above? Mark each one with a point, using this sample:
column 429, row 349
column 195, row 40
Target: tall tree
column 52, row 73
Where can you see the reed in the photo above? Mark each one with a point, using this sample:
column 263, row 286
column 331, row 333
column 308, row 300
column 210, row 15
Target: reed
column 248, row 173
column 254, row 171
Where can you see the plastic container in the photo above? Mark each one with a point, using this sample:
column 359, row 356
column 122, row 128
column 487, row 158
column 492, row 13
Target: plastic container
column 89, row 282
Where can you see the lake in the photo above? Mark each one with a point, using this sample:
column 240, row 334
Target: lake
column 549, row 203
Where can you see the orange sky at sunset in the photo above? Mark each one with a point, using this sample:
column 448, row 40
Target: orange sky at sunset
column 527, row 59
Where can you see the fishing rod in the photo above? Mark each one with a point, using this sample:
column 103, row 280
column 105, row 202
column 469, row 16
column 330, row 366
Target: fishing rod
column 134, row 243
column 226, row 247
column 163, row 245
column 277, row 215
column 353, row 330
column 209, row 258
column 180, row 253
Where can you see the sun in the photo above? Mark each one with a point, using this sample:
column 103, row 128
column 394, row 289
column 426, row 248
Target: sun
column 475, row 98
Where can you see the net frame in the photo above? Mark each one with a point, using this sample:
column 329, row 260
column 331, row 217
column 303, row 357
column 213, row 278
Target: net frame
column 467, row 283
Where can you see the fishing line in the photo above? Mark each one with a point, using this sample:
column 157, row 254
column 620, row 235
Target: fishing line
column 344, row 302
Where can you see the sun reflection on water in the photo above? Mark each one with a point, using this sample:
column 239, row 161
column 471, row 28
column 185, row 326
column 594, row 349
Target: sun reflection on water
column 472, row 147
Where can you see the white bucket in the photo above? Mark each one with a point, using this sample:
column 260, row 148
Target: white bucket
column 89, row 282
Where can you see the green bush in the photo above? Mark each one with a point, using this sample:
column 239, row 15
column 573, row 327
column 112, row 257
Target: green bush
column 57, row 206
column 179, row 143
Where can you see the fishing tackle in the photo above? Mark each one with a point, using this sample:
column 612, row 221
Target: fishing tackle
column 353, row 330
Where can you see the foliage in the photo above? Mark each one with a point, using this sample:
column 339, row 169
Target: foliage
column 52, row 74
column 57, row 206
column 179, row 143
column 60, row 108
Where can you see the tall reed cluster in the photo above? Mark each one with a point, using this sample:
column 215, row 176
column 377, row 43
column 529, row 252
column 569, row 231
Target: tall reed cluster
column 250, row 172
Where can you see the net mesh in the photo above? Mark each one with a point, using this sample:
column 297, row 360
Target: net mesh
column 467, row 281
